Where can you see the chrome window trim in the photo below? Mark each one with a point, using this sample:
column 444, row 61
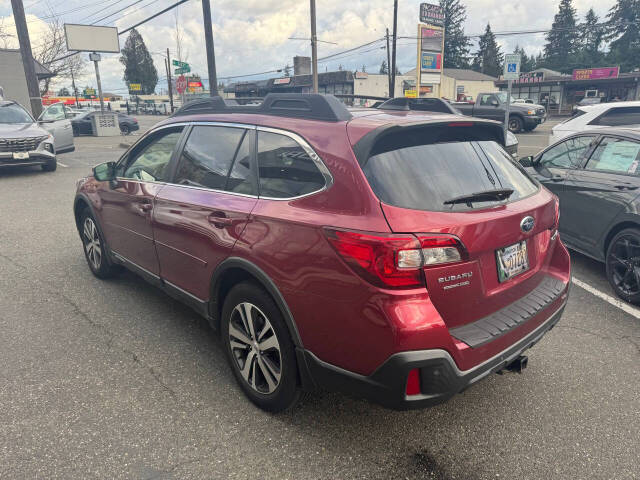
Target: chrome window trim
column 328, row 178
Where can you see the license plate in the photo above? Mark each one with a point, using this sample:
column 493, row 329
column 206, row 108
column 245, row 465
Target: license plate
column 512, row 260
column 20, row 155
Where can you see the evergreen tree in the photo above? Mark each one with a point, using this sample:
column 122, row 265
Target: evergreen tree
column 488, row 58
column 623, row 31
column 590, row 41
column 562, row 39
column 527, row 63
column 64, row 92
column 383, row 68
column 456, row 44
column 138, row 64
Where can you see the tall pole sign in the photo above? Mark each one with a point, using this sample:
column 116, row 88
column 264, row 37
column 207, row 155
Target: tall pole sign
column 27, row 58
column 511, row 73
column 430, row 49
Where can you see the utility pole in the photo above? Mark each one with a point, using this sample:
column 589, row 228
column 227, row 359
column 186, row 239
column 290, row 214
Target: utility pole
column 169, row 80
column 27, row 58
column 73, row 84
column 211, row 55
column 389, row 66
column 314, row 45
column 95, row 58
column 393, row 60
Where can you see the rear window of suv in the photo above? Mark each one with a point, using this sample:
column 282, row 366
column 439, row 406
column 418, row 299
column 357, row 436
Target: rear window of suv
column 424, row 177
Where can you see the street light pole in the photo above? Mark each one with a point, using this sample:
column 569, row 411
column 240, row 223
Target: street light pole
column 211, row 56
column 27, row 58
column 314, row 46
column 389, row 67
column 169, row 81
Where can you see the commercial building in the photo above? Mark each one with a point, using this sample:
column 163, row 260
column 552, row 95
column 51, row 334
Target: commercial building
column 12, row 79
column 561, row 92
column 456, row 83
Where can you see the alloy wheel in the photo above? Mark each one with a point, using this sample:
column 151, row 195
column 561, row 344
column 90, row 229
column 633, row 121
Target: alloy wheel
column 624, row 263
column 92, row 245
column 255, row 348
column 514, row 125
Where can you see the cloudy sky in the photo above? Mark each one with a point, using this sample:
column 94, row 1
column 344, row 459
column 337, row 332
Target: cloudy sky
column 253, row 35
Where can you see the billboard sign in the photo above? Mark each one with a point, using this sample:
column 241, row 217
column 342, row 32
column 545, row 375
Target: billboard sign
column 430, row 62
column 91, row 38
column 282, row 81
column 595, row 73
column 135, row 87
column 361, row 75
column 411, row 93
column 511, row 66
column 431, row 38
column 431, row 14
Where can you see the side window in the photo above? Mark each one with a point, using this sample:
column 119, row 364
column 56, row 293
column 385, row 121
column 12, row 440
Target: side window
column 53, row 113
column 616, row 155
column 149, row 162
column 566, row 154
column 208, row 155
column 485, row 100
column 241, row 178
column 285, row 169
column 619, row 116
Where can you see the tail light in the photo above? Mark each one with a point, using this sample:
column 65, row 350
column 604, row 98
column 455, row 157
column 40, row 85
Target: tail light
column 393, row 260
column 556, row 220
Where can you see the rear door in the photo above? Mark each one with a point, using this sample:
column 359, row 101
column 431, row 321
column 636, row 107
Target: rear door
column 201, row 213
column 54, row 120
column 415, row 185
column 597, row 193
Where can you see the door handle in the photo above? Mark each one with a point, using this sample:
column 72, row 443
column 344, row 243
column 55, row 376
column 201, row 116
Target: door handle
column 556, row 178
column 220, row 220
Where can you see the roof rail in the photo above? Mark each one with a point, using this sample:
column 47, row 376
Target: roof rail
column 311, row 106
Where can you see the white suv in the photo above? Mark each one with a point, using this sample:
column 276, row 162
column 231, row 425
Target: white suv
column 592, row 117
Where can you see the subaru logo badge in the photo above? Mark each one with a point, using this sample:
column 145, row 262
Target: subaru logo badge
column 526, row 224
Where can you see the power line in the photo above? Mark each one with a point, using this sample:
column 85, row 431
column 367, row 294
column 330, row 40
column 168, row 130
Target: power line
column 116, row 12
column 101, row 10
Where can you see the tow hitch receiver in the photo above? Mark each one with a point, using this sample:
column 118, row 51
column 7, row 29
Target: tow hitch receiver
column 517, row 365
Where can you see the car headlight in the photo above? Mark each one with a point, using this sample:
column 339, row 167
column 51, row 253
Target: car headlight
column 531, row 112
column 511, row 139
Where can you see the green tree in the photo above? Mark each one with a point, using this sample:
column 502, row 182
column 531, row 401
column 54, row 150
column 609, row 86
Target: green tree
column 456, row 44
column 64, row 92
column 562, row 39
column 138, row 64
column 527, row 63
column 590, row 40
column 489, row 57
column 383, row 68
column 623, row 31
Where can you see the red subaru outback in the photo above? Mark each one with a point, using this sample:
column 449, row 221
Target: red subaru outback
column 395, row 255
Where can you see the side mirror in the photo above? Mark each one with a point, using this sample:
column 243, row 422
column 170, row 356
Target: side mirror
column 526, row 161
column 494, row 102
column 105, row 172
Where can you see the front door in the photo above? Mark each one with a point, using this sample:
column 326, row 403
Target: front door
column 597, row 194
column 54, row 120
column 488, row 106
column 200, row 215
column 127, row 203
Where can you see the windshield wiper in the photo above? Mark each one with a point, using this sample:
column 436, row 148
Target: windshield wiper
column 485, row 196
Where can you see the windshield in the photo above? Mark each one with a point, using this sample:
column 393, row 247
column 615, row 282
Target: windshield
column 502, row 96
column 14, row 113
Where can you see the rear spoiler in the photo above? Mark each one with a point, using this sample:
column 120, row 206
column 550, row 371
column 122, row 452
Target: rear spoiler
column 401, row 135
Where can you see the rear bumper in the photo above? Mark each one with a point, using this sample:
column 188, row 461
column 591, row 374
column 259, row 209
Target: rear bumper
column 439, row 374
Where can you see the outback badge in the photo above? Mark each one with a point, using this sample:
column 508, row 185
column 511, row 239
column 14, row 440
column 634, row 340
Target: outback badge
column 526, row 224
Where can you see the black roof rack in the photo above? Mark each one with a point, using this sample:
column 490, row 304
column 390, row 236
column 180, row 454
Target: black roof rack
column 311, row 106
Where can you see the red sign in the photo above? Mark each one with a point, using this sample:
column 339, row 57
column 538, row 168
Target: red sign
column 181, row 84
column 595, row 73
column 282, row 81
column 195, row 84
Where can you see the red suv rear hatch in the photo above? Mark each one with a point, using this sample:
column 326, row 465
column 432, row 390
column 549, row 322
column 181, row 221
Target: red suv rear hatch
column 499, row 220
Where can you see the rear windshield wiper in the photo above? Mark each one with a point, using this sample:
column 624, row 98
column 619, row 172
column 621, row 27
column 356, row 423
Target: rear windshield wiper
column 485, row 196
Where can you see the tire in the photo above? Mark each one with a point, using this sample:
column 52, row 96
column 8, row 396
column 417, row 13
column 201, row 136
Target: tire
column 125, row 130
column 273, row 355
column 95, row 248
column 515, row 124
column 623, row 265
column 50, row 166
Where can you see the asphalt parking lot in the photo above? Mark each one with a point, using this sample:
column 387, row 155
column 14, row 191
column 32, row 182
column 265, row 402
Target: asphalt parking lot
column 113, row 379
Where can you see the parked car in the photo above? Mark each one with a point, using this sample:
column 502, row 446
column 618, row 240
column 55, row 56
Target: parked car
column 22, row 141
column 400, row 256
column 594, row 117
column 56, row 119
column 523, row 100
column 442, row 106
column 492, row 106
column 82, row 123
column 596, row 176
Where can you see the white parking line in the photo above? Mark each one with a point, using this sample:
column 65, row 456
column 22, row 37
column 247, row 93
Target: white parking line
column 62, row 164
column 608, row 298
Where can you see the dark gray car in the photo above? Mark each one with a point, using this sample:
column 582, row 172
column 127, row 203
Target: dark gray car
column 596, row 175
